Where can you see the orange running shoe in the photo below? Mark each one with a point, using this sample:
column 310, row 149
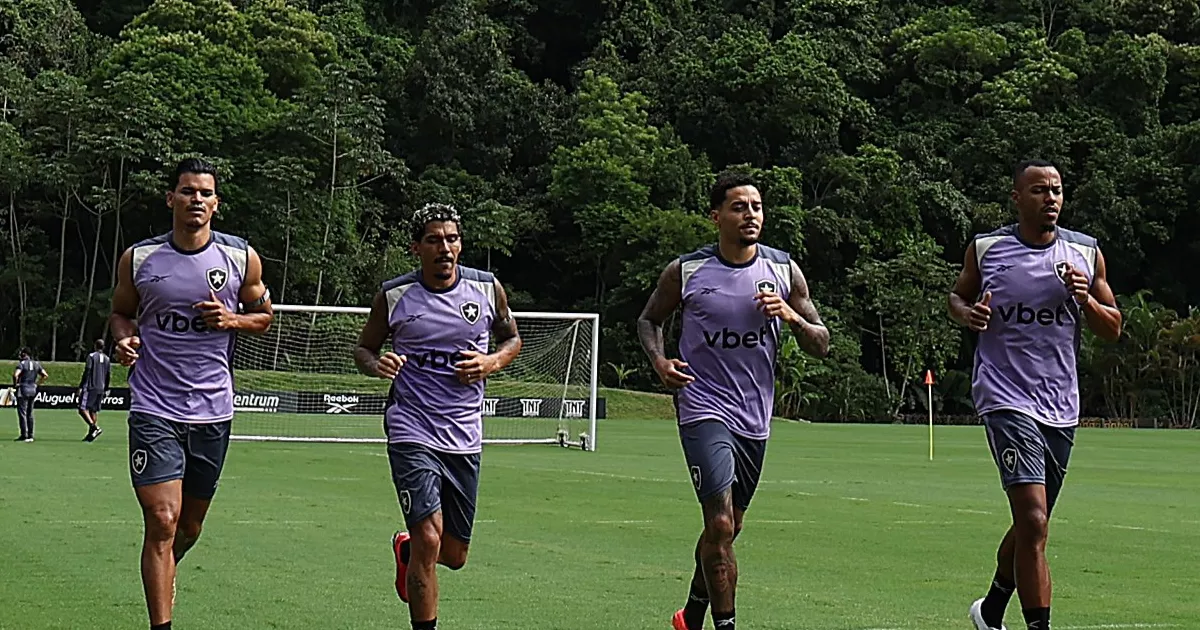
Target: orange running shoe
column 399, row 538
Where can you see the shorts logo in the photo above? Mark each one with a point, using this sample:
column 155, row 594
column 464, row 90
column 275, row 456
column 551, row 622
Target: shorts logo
column 217, row 278
column 470, row 311
column 696, row 477
column 1009, row 459
column 405, row 501
column 139, row 461
column 765, row 286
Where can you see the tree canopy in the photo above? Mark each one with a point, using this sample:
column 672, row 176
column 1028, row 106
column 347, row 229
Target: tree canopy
column 579, row 140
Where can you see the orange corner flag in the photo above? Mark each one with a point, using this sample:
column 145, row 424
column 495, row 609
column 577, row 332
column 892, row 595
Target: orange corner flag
column 929, row 377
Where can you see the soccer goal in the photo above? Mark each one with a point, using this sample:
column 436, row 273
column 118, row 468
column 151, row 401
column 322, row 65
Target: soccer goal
column 298, row 382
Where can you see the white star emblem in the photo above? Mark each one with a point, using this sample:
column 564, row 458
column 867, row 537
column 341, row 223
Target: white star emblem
column 139, row 461
column 217, row 277
column 1009, row 456
column 469, row 311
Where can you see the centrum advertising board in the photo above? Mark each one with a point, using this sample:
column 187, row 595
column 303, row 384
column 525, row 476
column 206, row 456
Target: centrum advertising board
column 58, row 397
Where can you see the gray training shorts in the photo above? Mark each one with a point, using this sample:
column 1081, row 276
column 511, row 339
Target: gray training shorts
column 1027, row 451
column 718, row 459
column 427, row 481
column 90, row 399
column 163, row 450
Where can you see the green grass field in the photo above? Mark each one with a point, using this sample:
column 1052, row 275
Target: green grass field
column 852, row 529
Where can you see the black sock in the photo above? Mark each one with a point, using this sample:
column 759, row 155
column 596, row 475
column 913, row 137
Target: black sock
column 405, row 548
column 161, row 626
column 723, row 621
column 997, row 600
column 1037, row 618
column 694, row 609
column 425, row 625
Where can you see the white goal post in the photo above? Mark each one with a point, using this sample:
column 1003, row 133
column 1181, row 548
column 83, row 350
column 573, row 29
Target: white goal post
column 298, row 382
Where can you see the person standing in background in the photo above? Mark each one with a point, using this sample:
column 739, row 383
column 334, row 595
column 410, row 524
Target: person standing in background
column 93, row 387
column 26, row 379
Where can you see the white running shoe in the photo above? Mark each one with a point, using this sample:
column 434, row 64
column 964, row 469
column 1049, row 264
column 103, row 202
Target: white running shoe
column 976, row 615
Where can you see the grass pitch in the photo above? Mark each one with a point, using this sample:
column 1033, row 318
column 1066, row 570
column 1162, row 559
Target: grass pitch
column 852, row 528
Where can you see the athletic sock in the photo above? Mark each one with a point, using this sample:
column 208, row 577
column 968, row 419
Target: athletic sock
column 425, row 625
column 996, row 600
column 405, row 548
column 694, row 609
column 1037, row 618
column 723, row 621
column 161, row 626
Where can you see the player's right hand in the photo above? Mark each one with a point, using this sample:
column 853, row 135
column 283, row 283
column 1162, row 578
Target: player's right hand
column 127, row 350
column 389, row 365
column 981, row 314
column 669, row 372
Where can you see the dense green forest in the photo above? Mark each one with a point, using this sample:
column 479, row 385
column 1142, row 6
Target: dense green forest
column 579, row 139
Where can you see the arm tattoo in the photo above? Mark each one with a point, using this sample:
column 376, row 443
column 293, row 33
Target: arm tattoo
column 661, row 304
column 811, row 334
column 504, row 329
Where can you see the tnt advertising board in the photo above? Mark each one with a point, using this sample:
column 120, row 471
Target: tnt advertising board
column 373, row 404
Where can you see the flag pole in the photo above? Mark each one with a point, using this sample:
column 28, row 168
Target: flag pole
column 929, row 387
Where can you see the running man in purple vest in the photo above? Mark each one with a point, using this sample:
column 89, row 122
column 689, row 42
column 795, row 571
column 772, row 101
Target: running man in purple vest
column 1027, row 290
column 440, row 319
column 733, row 295
column 175, row 317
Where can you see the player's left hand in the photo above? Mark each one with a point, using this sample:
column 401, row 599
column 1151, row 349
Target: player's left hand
column 216, row 315
column 474, row 367
column 772, row 305
column 1077, row 284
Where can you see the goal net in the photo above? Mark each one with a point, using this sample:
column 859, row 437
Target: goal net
column 298, row 382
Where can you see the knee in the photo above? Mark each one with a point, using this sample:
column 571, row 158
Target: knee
column 1031, row 526
column 720, row 529
column 426, row 545
column 189, row 530
column 161, row 523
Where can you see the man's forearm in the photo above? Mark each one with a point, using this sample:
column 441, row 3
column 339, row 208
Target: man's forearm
column 367, row 360
column 1103, row 320
column 122, row 326
column 812, row 338
column 254, row 323
column 651, row 337
column 506, row 351
column 960, row 310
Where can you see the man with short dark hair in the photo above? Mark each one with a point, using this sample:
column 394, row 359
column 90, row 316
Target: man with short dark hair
column 440, row 319
column 181, row 298
column 93, row 387
column 1045, row 283
column 26, row 379
column 734, row 295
